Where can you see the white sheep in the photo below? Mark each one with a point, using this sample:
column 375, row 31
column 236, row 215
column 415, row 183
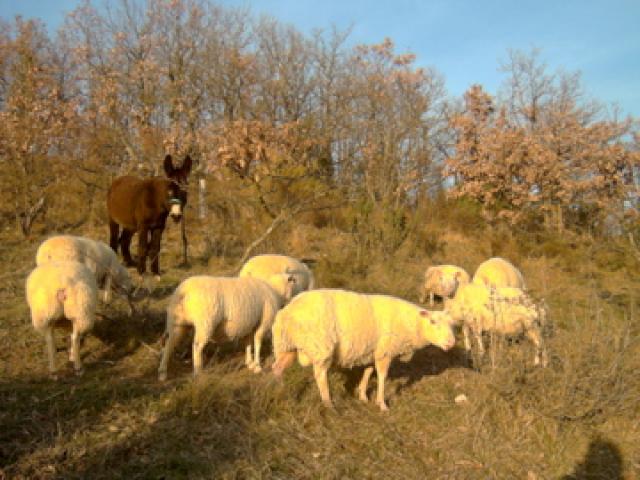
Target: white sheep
column 505, row 311
column 325, row 327
column 97, row 256
column 442, row 280
column 223, row 308
column 265, row 266
column 498, row 272
column 60, row 291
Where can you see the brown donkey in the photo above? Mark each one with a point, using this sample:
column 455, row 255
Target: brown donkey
column 142, row 205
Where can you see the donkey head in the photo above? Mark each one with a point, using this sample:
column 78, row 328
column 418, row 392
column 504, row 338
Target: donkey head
column 177, row 189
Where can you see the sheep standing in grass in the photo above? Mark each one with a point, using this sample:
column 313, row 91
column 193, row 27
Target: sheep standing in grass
column 98, row 257
column 505, row 311
column 265, row 266
column 442, row 280
column 224, row 308
column 498, row 272
column 326, row 326
column 60, row 291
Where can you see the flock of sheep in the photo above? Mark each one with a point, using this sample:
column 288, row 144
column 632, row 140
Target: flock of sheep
column 276, row 294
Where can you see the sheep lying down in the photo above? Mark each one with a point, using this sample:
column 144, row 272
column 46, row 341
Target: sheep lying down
column 325, row 327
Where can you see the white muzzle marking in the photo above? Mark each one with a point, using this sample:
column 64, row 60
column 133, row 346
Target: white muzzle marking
column 176, row 210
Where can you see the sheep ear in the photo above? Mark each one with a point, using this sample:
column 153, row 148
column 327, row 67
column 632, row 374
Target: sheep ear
column 424, row 313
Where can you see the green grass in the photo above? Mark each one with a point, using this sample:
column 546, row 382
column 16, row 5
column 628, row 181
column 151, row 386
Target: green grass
column 579, row 418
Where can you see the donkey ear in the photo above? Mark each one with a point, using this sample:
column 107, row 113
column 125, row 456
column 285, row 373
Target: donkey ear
column 168, row 166
column 186, row 165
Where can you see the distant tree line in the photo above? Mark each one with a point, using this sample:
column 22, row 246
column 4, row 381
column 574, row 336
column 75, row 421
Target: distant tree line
column 292, row 122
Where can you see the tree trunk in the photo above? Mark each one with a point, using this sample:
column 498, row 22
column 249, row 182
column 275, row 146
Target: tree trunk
column 202, row 199
column 30, row 215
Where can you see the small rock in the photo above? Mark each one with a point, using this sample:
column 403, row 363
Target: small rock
column 460, row 399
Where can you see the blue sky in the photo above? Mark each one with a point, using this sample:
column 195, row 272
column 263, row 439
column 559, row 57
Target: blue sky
column 464, row 40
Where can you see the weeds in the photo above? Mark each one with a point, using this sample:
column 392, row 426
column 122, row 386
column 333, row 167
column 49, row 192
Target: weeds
column 576, row 419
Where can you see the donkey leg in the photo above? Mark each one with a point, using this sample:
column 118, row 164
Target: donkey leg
column 114, row 230
column 154, row 250
column 143, row 248
column 125, row 243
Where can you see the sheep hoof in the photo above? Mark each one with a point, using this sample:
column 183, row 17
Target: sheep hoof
column 363, row 398
column 328, row 404
column 162, row 377
column 53, row 376
column 383, row 406
column 79, row 372
column 256, row 369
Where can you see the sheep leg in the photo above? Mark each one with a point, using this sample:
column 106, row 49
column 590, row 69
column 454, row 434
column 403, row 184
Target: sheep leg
column 541, row 353
column 467, row 337
column 362, row 387
column 106, row 292
column 382, row 368
column 51, row 352
column 320, row 374
column 432, row 299
column 200, row 339
column 248, row 357
column 170, row 344
column 257, row 345
column 74, row 352
column 477, row 333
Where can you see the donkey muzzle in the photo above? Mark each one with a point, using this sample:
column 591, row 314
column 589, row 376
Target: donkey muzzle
column 175, row 211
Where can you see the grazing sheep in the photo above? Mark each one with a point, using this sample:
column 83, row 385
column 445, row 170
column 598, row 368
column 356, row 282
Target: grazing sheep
column 97, row 256
column 326, row 326
column 224, row 308
column 264, row 266
column 505, row 311
column 61, row 291
column 498, row 272
column 442, row 280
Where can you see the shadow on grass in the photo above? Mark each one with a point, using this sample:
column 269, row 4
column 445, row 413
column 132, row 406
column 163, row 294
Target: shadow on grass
column 428, row 361
column 189, row 438
column 603, row 461
column 120, row 429
column 124, row 336
column 36, row 411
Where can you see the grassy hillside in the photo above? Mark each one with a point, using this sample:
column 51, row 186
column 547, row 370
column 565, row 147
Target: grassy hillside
column 577, row 419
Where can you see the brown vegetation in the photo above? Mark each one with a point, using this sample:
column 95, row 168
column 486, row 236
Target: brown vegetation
column 352, row 157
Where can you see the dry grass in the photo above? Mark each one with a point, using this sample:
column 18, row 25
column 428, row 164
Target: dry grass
column 577, row 419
